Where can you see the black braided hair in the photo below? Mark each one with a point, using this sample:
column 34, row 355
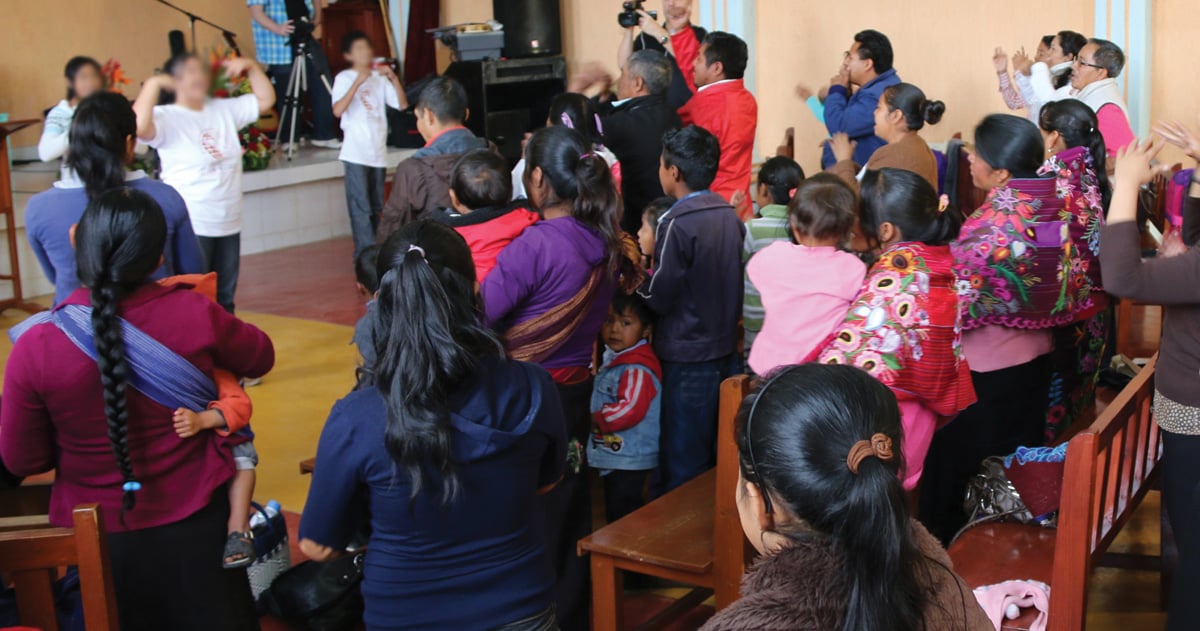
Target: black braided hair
column 118, row 245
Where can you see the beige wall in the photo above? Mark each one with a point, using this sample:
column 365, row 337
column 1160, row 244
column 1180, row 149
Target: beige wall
column 1176, row 88
column 37, row 38
column 945, row 48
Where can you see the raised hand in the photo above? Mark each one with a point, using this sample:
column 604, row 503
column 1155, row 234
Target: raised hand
column 1179, row 135
column 841, row 146
column 803, row 92
column 1000, row 60
column 238, row 66
column 1134, row 162
column 1022, row 63
column 651, row 27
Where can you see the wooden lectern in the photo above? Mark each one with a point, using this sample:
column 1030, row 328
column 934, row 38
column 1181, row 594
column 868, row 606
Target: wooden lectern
column 10, row 221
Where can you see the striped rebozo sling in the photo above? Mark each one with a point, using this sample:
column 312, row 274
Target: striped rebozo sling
column 155, row 370
column 536, row 339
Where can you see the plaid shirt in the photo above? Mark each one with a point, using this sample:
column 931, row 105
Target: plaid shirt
column 272, row 49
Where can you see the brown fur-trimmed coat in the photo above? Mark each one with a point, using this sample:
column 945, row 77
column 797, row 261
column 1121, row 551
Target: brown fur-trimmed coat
column 803, row 588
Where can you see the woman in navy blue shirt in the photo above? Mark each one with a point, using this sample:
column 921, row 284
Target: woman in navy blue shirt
column 446, row 454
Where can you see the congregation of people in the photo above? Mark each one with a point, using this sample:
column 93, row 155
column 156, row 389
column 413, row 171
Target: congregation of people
column 537, row 333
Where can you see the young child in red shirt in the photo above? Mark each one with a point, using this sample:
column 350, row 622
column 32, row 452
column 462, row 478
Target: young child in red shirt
column 229, row 416
column 480, row 190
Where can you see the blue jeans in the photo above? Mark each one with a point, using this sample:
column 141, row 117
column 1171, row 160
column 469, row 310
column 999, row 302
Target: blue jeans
column 690, row 400
column 223, row 256
column 364, row 201
column 319, row 99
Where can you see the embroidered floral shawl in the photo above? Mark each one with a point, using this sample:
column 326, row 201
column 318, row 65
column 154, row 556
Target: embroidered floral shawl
column 1016, row 261
column 1079, row 187
column 904, row 329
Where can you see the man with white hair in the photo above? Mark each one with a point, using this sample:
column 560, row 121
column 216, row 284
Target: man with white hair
column 1094, row 81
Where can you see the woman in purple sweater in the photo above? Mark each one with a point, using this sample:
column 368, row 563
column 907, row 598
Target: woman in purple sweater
column 548, row 296
column 163, row 500
column 1171, row 279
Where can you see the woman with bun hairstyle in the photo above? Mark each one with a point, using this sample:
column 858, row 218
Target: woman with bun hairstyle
column 820, row 498
column 1076, row 158
column 905, row 328
column 900, row 115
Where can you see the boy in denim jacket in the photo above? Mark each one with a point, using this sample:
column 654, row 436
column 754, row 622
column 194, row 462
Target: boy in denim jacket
column 625, row 407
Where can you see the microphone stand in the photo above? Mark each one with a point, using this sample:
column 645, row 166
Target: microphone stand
column 193, row 18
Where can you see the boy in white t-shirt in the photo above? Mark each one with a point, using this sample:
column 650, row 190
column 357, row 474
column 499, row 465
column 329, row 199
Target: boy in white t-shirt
column 361, row 95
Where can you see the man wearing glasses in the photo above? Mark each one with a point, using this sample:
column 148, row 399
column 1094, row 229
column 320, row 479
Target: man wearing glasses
column 1094, row 81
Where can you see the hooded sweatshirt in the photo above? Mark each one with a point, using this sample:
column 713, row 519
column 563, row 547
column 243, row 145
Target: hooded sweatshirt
column 489, row 230
column 477, row 560
column 697, row 286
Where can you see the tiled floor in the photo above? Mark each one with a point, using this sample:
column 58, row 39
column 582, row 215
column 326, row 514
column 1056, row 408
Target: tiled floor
column 305, row 299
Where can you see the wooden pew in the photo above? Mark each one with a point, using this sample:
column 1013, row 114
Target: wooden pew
column 691, row 535
column 32, row 558
column 1109, row 468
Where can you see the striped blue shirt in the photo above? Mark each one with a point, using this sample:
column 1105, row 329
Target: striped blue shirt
column 761, row 231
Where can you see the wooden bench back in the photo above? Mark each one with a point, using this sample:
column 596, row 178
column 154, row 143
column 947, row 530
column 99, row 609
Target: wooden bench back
column 731, row 551
column 32, row 558
column 1108, row 471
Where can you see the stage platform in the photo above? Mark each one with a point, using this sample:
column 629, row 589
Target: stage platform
column 288, row 204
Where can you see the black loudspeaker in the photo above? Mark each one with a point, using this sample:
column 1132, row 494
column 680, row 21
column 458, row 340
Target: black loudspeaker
column 532, row 28
column 509, row 97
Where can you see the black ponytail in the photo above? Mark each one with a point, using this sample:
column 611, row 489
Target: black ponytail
column 118, row 244
column 909, row 202
column 1079, row 127
column 805, row 422
column 429, row 338
column 578, row 175
column 100, row 132
column 1010, row 142
column 911, row 102
column 781, row 175
column 577, row 112
column 74, row 65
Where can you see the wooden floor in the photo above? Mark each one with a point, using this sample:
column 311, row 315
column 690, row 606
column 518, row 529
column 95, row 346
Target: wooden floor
column 305, row 298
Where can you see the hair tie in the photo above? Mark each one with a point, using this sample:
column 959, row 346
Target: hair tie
column 132, row 486
column 567, row 122
column 418, row 249
column 792, row 191
column 1091, row 130
column 879, row 446
column 599, row 125
column 585, row 156
column 943, row 203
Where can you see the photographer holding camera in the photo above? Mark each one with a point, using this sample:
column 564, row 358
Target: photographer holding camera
column 276, row 26
column 676, row 37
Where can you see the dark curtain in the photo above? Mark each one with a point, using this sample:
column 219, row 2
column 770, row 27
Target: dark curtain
column 420, row 55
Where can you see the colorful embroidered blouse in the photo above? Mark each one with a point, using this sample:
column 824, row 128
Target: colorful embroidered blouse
column 904, row 329
column 1083, row 207
column 1017, row 263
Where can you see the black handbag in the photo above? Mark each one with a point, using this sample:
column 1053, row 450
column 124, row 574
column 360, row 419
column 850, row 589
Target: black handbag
column 316, row 596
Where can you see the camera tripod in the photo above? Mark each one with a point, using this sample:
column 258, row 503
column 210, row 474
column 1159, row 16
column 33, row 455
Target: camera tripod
column 297, row 86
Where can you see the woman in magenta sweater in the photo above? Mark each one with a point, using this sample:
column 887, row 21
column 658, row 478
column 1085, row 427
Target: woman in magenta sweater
column 163, row 498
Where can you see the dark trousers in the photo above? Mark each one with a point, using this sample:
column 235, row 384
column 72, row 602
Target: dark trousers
column 1010, row 412
column 568, row 514
column 170, row 577
column 690, row 399
column 223, row 255
column 624, row 492
column 319, row 99
column 1181, row 496
column 364, row 201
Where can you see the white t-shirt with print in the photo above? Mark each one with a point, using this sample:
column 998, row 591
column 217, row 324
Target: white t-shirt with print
column 202, row 159
column 364, row 122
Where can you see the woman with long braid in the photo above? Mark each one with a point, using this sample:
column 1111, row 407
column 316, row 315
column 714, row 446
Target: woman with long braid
column 71, row 407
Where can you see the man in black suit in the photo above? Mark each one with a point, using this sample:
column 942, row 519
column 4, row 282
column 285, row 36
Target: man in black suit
column 634, row 124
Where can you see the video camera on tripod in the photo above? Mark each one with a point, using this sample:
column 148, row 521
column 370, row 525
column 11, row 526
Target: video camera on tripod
column 297, row 12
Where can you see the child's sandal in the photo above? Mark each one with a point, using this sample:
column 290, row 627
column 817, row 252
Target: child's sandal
column 239, row 550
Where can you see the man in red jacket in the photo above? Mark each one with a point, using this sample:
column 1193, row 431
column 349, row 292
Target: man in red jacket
column 725, row 108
